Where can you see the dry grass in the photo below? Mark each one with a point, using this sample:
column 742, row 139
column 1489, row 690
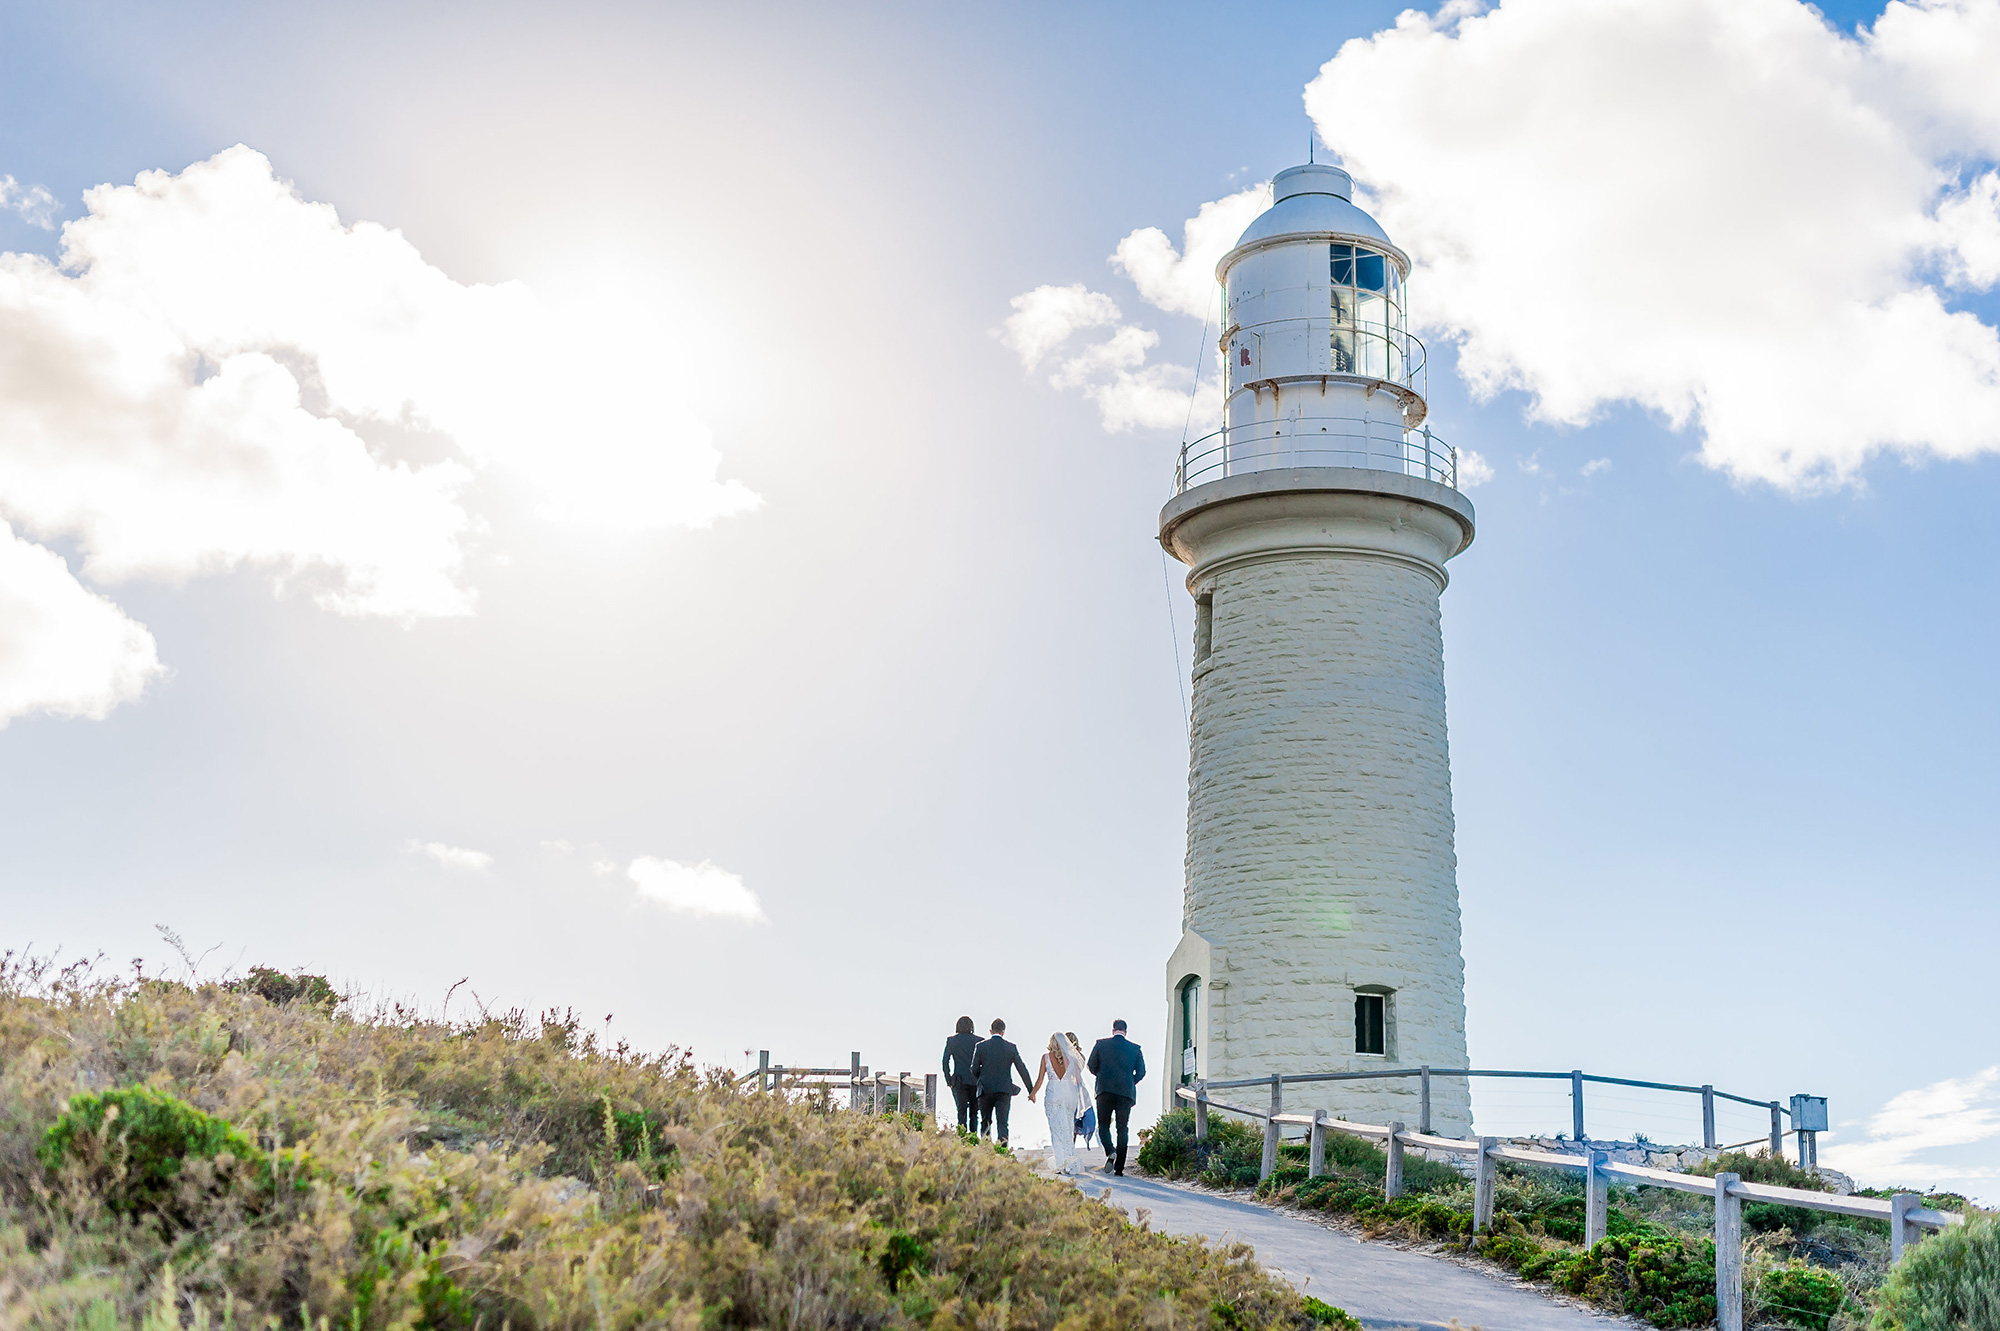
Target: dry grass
column 508, row 1172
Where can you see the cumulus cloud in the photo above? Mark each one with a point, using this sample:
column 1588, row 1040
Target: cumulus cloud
column 1769, row 262
column 1117, row 372
column 1473, row 469
column 1906, row 1134
column 1183, row 281
column 219, row 373
column 452, row 857
column 63, row 648
column 32, row 204
column 705, row 889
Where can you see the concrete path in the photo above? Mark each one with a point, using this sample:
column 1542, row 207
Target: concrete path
column 1381, row 1284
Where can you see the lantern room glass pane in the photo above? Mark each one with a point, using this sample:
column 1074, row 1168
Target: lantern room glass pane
column 1368, row 271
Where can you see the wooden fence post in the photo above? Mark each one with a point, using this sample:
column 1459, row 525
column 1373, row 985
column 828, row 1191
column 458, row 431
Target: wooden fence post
column 1201, row 1111
column 1902, row 1234
column 875, row 1103
column 1777, row 1132
column 1576, row 1104
column 1708, row 1117
column 1424, row 1099
column 1316, row 1146
column 1392, row 1177
column 763, row 1071
column 1596, row 1199
column 854, row 1071
column 1271, row 1130
column 1728, row 1255
column 930, row 1096
column 1482, row 1185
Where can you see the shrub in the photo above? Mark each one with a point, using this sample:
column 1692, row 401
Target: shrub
column 135, row 1146
column 277, row 988
column 1802, row 1295
column 1665, row 1279
column 1325, row 1314
column 1948, row 1282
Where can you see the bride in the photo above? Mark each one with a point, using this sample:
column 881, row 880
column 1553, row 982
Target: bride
column 1062, row 1072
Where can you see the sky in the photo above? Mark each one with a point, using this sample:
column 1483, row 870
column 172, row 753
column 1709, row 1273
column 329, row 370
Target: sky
column 651, row 510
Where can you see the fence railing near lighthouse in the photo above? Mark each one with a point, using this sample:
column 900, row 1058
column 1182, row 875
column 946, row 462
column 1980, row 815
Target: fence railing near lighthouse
column 1316, row 441
column 1908, row 1221
column 873, row 1092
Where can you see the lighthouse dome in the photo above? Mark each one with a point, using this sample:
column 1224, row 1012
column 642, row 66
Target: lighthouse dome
column 1312, row 201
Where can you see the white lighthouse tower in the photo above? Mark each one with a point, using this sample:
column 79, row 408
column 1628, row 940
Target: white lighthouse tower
column 1320, row 928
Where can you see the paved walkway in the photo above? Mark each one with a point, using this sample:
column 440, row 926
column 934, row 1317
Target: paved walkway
column 1381, row 1284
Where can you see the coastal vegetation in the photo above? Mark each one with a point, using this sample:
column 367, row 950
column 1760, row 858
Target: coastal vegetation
column 262, row 1154
column 1804, row 1269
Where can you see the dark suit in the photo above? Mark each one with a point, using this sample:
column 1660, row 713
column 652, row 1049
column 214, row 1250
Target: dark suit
column 993, row 1064
column 958, row 1052
column 1120, row 1067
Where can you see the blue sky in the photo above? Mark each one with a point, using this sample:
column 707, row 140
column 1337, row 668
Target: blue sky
column 1722, row 741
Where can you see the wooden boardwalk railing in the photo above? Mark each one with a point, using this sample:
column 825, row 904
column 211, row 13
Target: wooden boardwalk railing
column 1907, row 1220
column 865, row 1090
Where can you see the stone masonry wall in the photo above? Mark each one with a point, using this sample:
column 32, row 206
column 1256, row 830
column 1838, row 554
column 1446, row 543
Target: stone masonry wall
column 1320, row 852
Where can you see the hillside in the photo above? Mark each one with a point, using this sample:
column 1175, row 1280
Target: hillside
column 259, row 1155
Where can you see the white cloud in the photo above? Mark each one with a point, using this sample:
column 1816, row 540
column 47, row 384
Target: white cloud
column 220, row 373
column 695, row 889
column 1183, row 282
column 1906, row 1134
column 1969, row 233
column 1595, row 465
column 451, row 857
column 1044, row 318
column 1116, row 372
column 63, row 648
column 1473, row 469
column 33, row 205
column 1752, row 261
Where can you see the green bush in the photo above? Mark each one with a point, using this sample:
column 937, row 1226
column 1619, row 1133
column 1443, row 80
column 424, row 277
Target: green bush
column 1665, row 1279
column 276, row 987
column 1948, row 1282
column 1325, row 1314
column 1802, row 1295
column 136, row 1145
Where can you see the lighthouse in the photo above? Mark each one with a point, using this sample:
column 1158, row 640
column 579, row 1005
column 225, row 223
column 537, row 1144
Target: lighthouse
column 1320, row 921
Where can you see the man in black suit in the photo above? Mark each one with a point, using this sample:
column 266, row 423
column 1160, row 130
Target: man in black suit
column 1119, row 1067
column 958, row 1051
column 993, row 1064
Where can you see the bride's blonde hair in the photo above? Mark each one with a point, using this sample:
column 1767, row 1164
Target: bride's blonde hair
column 1060, row 1043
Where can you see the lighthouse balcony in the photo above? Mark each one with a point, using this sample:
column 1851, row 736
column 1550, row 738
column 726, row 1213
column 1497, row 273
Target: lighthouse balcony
column 1357, row 440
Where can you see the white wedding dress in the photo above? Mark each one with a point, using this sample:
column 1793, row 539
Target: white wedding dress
column 1062, row 1101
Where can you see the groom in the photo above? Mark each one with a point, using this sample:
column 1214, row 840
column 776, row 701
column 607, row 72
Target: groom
column 1119, row 1067
column 993, row 1064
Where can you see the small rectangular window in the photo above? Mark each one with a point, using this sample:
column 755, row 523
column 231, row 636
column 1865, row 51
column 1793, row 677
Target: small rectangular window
column 1204, row 628
column 1370, row 1028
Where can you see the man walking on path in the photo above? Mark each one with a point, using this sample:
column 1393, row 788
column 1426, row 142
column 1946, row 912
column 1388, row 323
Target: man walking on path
column 1120, row 1067
column 993, row 1064
column 958, row 1051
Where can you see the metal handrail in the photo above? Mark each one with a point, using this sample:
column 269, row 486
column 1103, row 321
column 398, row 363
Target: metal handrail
column 1302, row 1077
column 1410, row 349
column 1315, row 441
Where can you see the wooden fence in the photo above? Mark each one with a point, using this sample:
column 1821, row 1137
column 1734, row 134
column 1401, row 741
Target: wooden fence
column 865, row 1090
column 1907, row 1221
column 1808, row 1139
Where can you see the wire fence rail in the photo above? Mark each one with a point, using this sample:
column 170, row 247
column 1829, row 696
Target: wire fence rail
column 1808, row 1136
column 1907, row 1220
